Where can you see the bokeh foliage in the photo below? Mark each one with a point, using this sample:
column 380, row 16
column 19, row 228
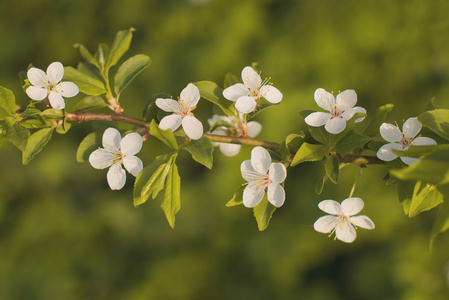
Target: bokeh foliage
column 65, row 235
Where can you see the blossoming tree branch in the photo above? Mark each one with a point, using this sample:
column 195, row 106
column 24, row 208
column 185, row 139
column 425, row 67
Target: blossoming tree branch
column 417, row 156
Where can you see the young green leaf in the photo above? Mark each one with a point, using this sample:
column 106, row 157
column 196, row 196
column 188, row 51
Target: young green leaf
column 129, row 70
column 165, row 136
column 87, row 84
column 36, row 143
column 424, row 199
column 202, row 151
column 263, row 213
column 7, row 102
column 373, row 127
column 119, row 47
column 436, row 120
column 172, row 195
column 87, row 55
column 331, row 166
column 212, row 92
column 88, row 145
column 309, row 152
column 15, row 133
column 351, row 141
column 90, row 102
column 237, row 199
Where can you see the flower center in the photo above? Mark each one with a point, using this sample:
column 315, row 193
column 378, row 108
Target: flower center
column 118, row 156
column 406, row 142
column 339, row 221
column 185, row 111
column 263, row 181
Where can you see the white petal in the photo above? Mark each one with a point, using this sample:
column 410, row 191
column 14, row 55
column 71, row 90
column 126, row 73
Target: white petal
column 411, row 128
column 116, row 177
column 67, row 89
column 324, row 99
column 55, row 72
column 56, row 100
column 133, row 164
column 245, row 104
column 409, row 160
column 253, row 128
column 100, row 159
column 36, row 93
column 192, row 127
column 351, row 206
column 168, row 105
column 190, row 95
column 317, row 119
column 330, row 206
column 423, row 141
column 271, row 93
column 235, row 91
column 260, row 160
column 325, row 224
column 335, row 125
column 252, row 195
column 350, row 112
column 384, row 153
column 131, row 143
column 250, row 78
column 346, row 100
column 390, row 133
column 111, row 139
column 37, row 77
column 170, row 122
column 229, row 150
column 362, row 222
column 277, row 172
column 276, row 194
column 345, row 232
column 247, row 170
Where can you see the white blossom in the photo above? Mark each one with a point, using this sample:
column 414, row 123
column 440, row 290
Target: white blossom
column 247, row 94
column 252, row 128
column 115, row 152
column 341, row 220
column 182, row 112
column 48, row 85
column 401, row 140
column 261, row 174
column 340, row 110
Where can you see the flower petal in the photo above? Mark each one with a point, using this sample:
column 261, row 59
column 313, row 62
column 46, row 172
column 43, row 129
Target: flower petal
column 271, row 93
column 253, row 128
column 131, row 144
column 346, row 100
column 190, row 95
column 251, row 78
column 350, row 112
column 252, row 195
column 276, row 194
column 390, row 133
column 317, row 119
column 324, row 99
column 116, row 177
column 37, row 77
column 351, row 206
column 409, row 160
column 277, row 172
column 260, row 160
column 325, row 224
column 170, row 122
column 56, row 100
column 36, row 93
column 245, row 104
column 411, row 128
column 55, row 72
column 362, row 222
column 111, row 139
column 330, row 206
column 235, row 91
column 335, row 125
column 168, row 105
column 384, row 153
column 345, row 232
column 229, row 150
column 100, row 159
column 133, row 164
column 247, row 170
column 192, row 127
column 67, row 89
column 423, row 141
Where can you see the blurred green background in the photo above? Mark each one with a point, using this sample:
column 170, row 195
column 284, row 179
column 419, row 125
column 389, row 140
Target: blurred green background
column 65, row 235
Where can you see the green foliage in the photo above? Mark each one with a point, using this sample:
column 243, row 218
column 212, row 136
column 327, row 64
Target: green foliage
column 437, row 120
column 263, row 213
column 331, row 166
column 36, row 143
column 119, row 47
column 165, row 136
column 15, row 133
column 237, row 198
column 202, row 151
column 441, row 223
column 350, row 142
column 86, row 83
column 7, row 103
column 373, row 127
column 88, row 145
column 212, row 92
column 309, row 152
column 416, row 199
column 90, row 102
column 172, row 195
column 129, row 70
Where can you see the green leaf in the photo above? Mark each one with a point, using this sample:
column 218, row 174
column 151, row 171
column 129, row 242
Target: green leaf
column 424, row 199
column 36, row 143
column 202, row 151
column 64, row 128
column 418, row 151
column 119, row 47
column 309, row 152
column 7, row 103
column 150, row 110
column 373, row 127
column 87, row 55
column 318, row 133
column 331, row 166
column 88, row 145
column 129, row 70
column 87, row 84
column 29, row 112
column 212, row 92
column 263, row 213
column 405, row 194
column 165, row 136
column 172, row 195
column 15, row 133
column 319, row 185
column 441, row 223
column 351, row 141
column 230, row 79
column 150, row 180
column 52, row 113
column 237, row 199
column 436, row 120
column 90, row 102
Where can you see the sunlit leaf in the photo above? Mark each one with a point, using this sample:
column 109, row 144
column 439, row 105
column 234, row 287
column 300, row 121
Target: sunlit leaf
column 309, row 152
column 436, row 120
column 88, row 145
column 237, row 198
column 165, row 136
column 212, row 92
column 172, row 195
column 129, row 70
column 7, row 102
column 36, row 143
column 90, row 102
column 263, row 213
column 87, row 84
column 119, row 47
column 202, row 151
